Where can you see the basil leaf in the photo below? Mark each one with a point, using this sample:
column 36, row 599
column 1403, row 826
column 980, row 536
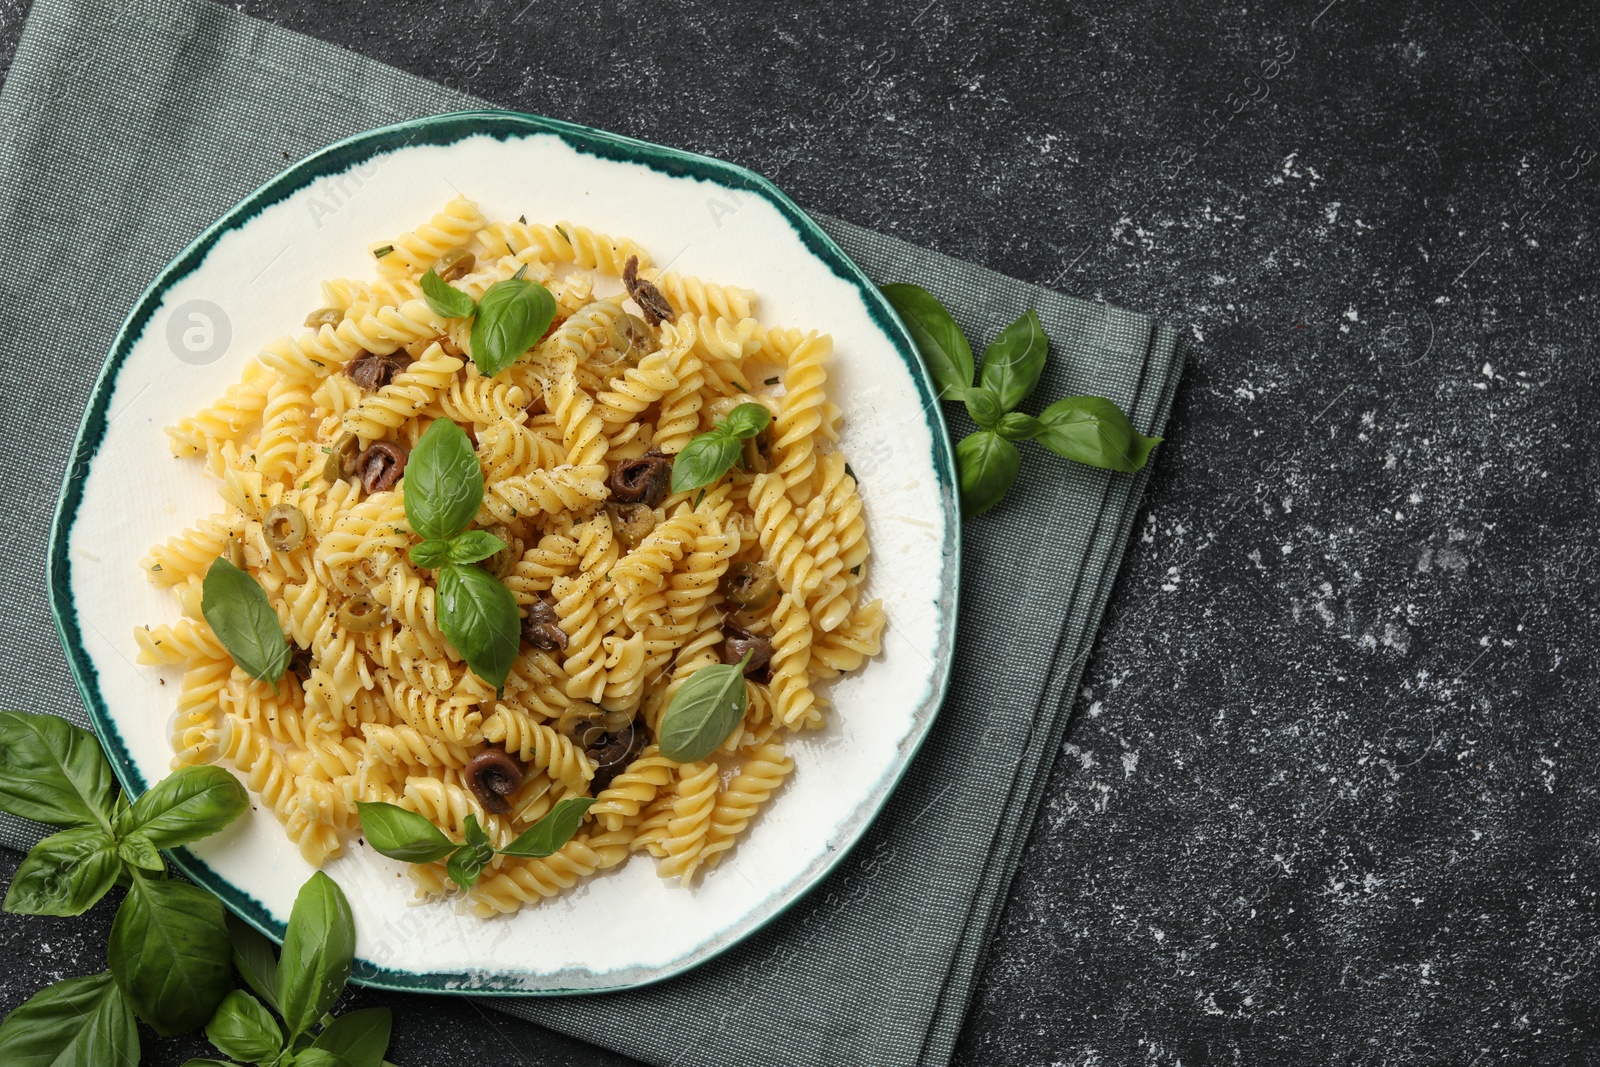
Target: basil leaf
column 65, row 874
column 255, row 960
column 983, row 407
column 1013, row 362
column 244, row 1029
column 401, row 834
column 52, row 772
column 237, row 610
column 137, row 850
column 704, row 459
column 474, row 545
column 1015, row 426
column 512, row 316
column 704, row 711
column 989, row 464
column 943, row 346
column 1093, row 430
column 443, row 482
column 169, row 952
column 746, row 420
column 188, row 804
column 432, row 553
column 546, row 836
column 479, row 616
column 465, row 865
column 317, row 953
column 361, row 1037
column 444, row 298
column 319, row 1057
column 81, row 1022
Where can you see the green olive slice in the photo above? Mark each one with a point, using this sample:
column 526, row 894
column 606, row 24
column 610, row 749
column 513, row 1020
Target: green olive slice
column 324, row 317
column 454, row 264
column 360, row 615
column 285, row 527
column 750, row 586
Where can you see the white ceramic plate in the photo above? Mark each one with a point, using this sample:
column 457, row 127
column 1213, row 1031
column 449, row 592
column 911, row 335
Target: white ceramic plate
column 256, row 272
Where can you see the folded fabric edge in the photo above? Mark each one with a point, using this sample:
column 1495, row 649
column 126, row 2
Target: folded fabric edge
column 1028, row 789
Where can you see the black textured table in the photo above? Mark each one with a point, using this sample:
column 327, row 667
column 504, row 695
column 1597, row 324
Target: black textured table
column 1330, row 795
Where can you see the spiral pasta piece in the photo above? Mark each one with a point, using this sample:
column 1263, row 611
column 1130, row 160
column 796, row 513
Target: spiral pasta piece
column 417, row 251
column 759, row 776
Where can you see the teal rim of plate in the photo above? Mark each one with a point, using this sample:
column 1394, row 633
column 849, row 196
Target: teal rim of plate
column 442, row 130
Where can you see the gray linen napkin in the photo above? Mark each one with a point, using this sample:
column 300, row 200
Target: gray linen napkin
column 126, row 128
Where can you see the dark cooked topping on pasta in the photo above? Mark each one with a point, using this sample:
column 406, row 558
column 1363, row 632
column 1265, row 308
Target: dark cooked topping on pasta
column 494, row 777
column 285, row 527
column 341, row 458
column 757, row 455
column 633, row 522
column 542, row 628
column 612, row 752
column 750, row 586
column 454, row 264
column 372, row 372
column 645, row 294
column 381, row 466
column 646, row 480
column 736, row 642
column 300, row 662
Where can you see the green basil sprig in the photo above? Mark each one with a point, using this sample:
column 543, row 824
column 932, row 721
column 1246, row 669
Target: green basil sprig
column 409, row 837
column 709, row 456
column 443, row 490
column 704, row 711
column 168, row 951
column 172, row 951
column 508, row 321
column 238, row 612
column 1086, row 429
column 301, row 987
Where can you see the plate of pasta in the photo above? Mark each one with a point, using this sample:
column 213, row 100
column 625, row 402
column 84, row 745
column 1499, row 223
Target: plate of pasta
column 512, row 441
